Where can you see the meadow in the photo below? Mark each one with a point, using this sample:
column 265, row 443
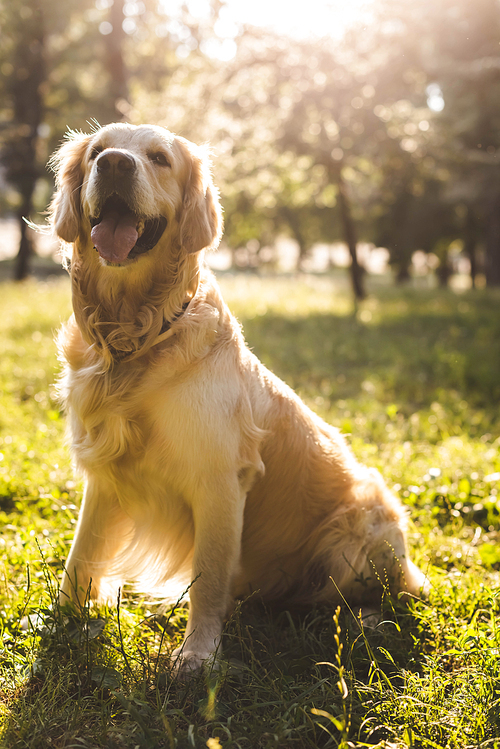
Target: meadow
column 412, row 376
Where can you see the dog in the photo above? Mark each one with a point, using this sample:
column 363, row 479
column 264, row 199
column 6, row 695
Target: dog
column 200, row 465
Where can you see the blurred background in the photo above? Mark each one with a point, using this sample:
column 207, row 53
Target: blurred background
column 362, row 136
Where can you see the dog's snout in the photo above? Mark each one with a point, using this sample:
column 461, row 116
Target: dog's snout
column 113, row 162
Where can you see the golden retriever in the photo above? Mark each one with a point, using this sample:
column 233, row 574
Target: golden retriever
column 199, row 463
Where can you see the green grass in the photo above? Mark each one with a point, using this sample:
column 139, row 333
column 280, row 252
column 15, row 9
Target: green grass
column 414, row 378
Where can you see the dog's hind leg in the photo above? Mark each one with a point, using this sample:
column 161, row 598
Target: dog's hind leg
column 361, row 550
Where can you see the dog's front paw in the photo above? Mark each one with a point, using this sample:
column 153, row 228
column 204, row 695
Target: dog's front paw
column 188, row 661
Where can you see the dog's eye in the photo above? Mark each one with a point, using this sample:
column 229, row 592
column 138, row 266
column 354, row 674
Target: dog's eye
column 95, row 152
column 159, row 158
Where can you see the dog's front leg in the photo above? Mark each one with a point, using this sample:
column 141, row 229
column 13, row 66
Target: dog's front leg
column 101, row 531
column 218, row 524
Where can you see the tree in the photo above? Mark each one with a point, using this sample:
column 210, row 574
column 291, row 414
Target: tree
column 60, row 70
column 40, row 88
column 458, row 60
column 23, row 88
column 467, row 67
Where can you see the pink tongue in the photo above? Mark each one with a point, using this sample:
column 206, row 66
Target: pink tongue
column 115, row 236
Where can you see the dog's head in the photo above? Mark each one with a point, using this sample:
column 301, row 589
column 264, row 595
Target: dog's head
column 124, row 189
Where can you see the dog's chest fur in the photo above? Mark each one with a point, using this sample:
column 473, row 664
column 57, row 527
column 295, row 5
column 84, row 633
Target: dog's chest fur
column 156, row 430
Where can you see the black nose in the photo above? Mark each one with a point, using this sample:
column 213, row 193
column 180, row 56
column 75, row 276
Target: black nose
column 113, row 162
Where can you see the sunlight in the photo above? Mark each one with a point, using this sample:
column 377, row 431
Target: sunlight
column 323, row 17
column 435, row 100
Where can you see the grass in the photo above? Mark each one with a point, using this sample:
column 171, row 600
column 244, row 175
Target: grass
column 413, row 378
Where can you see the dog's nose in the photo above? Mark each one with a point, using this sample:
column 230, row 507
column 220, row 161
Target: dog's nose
column 113, row 162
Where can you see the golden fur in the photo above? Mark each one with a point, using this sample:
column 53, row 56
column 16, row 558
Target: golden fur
column 199, row 463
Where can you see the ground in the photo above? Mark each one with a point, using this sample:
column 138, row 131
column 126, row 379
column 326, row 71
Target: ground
column 411, row 376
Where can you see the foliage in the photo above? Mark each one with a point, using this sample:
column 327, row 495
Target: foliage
column 316, row 139
column 412, row 378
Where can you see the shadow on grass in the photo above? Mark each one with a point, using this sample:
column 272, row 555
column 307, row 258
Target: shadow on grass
column 410, row 347
column 412, row 351
column 278, row 679
column 416, row 351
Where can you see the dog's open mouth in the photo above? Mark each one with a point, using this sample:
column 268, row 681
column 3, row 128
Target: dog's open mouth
column 119, row 234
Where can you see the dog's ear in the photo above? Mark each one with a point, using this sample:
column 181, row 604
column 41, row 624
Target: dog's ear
column 201, row 218
column 65, row 209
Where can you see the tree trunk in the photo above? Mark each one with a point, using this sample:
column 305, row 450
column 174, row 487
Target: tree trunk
column 403, row 270
column 349, row 230
column 118, row 85
column 444, row 271
column 470, row 243
column 19, row 153
column 291, row 217
column 22, row 264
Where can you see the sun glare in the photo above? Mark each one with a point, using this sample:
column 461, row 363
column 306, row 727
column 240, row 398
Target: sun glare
column 324, row 18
